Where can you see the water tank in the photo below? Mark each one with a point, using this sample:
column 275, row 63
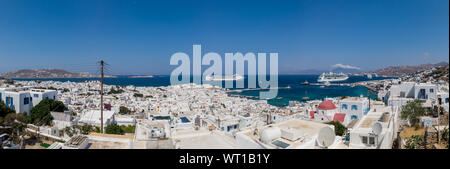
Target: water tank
column 269, row 134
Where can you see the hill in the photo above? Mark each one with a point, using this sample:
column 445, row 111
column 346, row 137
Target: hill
column 45, row 73
column 399, row 71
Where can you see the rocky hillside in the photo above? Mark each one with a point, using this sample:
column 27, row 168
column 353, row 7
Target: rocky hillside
column 399, row 71
column 440, row 73
column 45, row 73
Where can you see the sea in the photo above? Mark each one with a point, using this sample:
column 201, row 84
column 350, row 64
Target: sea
column 295, row 93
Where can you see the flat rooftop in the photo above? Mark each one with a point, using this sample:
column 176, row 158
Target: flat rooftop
column 354, row 99
column 380, row 115
column 368, row 122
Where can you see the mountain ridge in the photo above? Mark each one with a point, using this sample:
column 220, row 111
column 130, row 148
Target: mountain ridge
column 45, row 73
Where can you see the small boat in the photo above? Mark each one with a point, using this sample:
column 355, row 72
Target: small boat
column 279, row 98
column 305, row 83
column 306, row 97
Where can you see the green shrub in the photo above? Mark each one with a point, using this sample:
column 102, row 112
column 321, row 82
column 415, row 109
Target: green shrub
column 114, row 129
column 40, row 114
column 339, row 129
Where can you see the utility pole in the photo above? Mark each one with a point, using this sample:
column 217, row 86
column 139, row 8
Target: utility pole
column 101, row 97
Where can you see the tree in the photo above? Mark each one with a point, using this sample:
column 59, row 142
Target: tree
column 412, row 112
column 17, row 122
column 124, row 110
column 339, row 129
column 114, row 129
column 128, row 129
column 4, row 110
column 86, row 129
column 40, row 114
column 12, row 117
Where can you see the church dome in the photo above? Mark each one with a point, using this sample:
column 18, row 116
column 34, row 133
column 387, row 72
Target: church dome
column 326, row 105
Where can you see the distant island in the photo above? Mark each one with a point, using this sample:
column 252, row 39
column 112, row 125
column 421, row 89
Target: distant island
column 46, row 73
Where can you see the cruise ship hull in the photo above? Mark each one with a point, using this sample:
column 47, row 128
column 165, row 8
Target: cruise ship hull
column 332, row 80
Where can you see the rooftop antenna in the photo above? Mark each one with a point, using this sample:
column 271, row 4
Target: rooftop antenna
column 326, row 137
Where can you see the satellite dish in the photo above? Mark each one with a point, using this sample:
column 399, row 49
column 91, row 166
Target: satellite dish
column 376, row 128
column 326, row 136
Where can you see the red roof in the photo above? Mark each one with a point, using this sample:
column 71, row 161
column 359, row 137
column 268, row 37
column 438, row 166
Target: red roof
column 326, row 105
column 311, row 113
column 339, row 117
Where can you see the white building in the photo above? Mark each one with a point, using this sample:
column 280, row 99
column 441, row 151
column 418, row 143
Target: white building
column 442, row 97
column 62, row 120
column 92, row 117
column 125, row 120
column 362, row 135
column 22, row 99
column 325, row 112
column 400, row 94
column 353, row 108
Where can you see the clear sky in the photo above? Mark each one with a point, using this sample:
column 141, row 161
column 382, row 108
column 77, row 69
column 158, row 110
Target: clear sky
column 138, row 37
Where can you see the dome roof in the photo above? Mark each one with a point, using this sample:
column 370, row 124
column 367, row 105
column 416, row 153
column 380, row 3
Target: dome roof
column 326, row 105
column 269, row 134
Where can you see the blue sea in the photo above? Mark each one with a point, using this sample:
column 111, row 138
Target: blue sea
column 296, row 92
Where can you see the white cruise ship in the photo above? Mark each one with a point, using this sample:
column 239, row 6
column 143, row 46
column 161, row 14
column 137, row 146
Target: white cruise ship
column 332, row 77
column 223, row 78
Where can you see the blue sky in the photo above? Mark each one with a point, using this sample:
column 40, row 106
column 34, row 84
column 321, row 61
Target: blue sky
column 138, row 37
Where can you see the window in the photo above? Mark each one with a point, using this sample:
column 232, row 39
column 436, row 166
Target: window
column 8, row 100
column 372, row 140
column 402, row 94
column 431, row 90
column 36, row 95
column 446, row 100
column 354, row 107
column 344, row 106
column 26, row 101
column 364, row 139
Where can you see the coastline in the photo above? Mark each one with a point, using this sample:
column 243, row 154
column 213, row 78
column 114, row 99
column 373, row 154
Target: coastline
column 295, row 93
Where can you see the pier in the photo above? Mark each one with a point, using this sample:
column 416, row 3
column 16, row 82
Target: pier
column 363, row 83
column 255, row 89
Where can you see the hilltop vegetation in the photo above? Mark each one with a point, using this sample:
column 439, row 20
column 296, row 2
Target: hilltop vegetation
column 44, row 73
column 399, row 71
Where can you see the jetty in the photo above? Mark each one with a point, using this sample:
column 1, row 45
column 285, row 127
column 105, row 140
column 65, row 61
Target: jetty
column 256, row 89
